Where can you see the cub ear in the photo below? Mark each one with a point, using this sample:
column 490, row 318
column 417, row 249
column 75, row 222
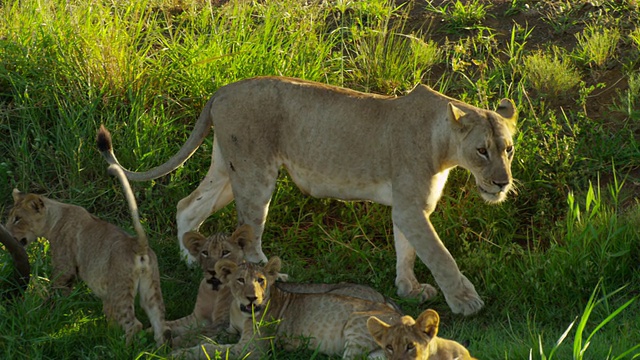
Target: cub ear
column 377, row 328
column 224, row 268
column 34, row 202
column 17, row 195
column 273, row 266
column 193, row 241
column 243, row 236
column 428, row 322
column 507, row 109
column 455, row 113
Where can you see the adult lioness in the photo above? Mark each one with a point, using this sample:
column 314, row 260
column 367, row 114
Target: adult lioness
column 115, row 265
column 411, row 339
column 339, row 143
column 328, row 323
column 211, row 311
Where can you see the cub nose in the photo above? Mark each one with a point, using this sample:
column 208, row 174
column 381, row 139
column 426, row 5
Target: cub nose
column 23, row 241
column 251, row 299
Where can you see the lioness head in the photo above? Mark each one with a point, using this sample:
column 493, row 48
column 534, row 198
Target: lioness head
column 415, row 339
column 28, row 217
column 209, row 250
column 486, row 146
column 249, row 283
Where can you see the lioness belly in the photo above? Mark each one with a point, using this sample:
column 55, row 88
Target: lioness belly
column 324, row 185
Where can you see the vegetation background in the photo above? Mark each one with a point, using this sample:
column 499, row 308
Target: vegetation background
column 556, row 261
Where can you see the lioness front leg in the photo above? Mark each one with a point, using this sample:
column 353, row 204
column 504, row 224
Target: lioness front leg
column 457, row 289
column 406, row 281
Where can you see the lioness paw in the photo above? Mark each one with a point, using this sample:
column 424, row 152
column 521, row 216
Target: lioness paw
column 464, row 299
column 423, row 292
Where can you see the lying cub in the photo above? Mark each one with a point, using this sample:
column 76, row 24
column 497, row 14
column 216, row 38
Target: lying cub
column 330, row 323
column 211, row 311
column 411, row 339
column 115, row 265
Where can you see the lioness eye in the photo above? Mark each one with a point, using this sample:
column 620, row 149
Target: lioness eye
column 260, row 281
column 204, row 253
column 17, row 220
column 509, row 148
column 389, row 348
column 241, row 280
column 225, row 253
column 410, row 346
column 482, row 151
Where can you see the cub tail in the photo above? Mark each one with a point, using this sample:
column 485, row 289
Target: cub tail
column 104, row 145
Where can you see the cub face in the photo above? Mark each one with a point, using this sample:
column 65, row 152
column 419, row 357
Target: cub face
column 409, row 339
column 28, row 217
column 249, row 283
column 209, row 250
column 486, row 147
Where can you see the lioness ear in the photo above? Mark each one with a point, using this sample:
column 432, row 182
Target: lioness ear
column 224, row 268
column 377, row 329
column 193, row 241
column 455, row 113
column 507, row 109
column 243, row 236
column 273, row 266
column 428, row 322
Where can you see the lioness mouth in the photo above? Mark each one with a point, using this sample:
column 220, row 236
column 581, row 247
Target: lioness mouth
column 251, row 308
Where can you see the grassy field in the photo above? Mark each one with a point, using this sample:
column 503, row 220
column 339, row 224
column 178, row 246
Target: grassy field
column 565, row 249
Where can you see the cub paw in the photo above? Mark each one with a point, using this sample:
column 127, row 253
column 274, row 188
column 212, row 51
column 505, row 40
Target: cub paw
column 283, row 277
column 464, row 299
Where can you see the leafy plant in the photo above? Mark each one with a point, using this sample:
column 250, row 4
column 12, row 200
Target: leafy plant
column 597, row 45
column 550, row 74
column 461, row 16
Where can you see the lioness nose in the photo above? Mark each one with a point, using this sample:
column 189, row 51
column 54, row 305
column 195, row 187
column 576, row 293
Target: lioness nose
column 501, row 184
column 251, row 299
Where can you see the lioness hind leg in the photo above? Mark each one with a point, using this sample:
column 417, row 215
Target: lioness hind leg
column 213, row 193
column 406, row 281
column 252, row 187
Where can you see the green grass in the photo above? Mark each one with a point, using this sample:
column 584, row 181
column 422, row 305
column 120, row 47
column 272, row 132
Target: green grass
column 564, row 247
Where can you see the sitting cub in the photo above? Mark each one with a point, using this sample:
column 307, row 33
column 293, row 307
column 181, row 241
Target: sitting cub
column 330, row 323
column 415, row 339
column 115, row 265
column 211, row 311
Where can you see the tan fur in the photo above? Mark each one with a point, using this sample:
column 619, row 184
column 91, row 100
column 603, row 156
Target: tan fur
column 410, row 339
column 329, row 323
column 115, row 265
column 344, row 144
column 211, row 311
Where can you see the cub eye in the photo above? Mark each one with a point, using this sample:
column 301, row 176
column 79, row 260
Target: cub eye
column 509, row 149
column 482, row 151
column 204, row 253
column 410, row 346
column 240, row 280
column 389, row 348
column 260, row 281
column 17, row 220
column 225, row 253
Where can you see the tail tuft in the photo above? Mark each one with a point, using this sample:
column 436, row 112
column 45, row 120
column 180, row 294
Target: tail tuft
column 104, row 140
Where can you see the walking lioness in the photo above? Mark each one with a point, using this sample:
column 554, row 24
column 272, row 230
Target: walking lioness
column 344, row 144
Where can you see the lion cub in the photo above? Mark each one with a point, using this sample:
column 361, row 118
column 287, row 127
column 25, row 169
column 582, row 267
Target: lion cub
column 115, row 265
column 211, row 311
column 411, row 339
column 330, row 323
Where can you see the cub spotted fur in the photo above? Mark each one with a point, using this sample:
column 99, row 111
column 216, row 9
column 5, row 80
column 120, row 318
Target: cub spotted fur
column 344, row 144
column 211, row 311
column 115, row 265
column 411, row 339
column 329, row 323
